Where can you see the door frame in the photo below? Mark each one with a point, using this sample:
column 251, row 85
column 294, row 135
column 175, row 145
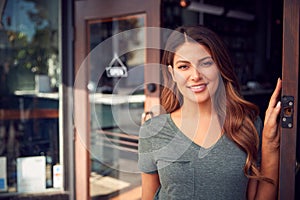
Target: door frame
column 97, row 9
column 290, row 73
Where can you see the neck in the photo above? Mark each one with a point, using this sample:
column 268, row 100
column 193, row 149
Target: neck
column 199, row 122
column 193, row 109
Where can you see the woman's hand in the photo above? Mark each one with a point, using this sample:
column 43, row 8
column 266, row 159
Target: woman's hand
column 270, row 152
column 271, row 136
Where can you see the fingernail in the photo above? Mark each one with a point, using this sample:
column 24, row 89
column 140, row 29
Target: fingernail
column 278, row 104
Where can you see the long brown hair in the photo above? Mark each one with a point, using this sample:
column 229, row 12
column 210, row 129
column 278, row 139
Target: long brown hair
column 240, row 114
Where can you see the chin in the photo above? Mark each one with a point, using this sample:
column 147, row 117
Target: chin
column 200, row 100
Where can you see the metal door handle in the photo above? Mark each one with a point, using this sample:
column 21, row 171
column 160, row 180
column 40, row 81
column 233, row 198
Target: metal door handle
column 147, row 115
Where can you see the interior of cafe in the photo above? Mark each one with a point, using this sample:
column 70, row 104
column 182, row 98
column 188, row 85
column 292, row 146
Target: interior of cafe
column 48, row 48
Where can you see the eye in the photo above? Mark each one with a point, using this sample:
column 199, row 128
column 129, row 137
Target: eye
column 206, row 63
column 183, row 67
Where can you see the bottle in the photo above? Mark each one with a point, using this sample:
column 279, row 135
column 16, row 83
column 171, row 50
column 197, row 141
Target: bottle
column 49, row 183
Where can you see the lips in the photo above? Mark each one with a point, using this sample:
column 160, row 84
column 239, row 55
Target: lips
column 198, row 88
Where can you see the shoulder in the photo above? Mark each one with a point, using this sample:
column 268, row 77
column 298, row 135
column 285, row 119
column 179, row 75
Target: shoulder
column 151, row 132
column 258, row 123
column 157, row 119
column 154, row 125
column 259, row 126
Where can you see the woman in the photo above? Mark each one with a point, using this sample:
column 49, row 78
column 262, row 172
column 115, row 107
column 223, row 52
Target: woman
column 210, row 143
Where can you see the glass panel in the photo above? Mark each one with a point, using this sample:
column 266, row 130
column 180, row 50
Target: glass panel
column 29, row 100
column 117, row 101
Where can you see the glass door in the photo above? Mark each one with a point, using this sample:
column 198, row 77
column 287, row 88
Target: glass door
column 116, row 96
column 116, row 83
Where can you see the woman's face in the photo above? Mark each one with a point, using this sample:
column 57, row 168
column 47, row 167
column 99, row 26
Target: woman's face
column 195, row 73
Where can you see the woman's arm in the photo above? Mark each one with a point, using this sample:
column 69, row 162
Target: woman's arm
column 270, row 152
column 150, row 184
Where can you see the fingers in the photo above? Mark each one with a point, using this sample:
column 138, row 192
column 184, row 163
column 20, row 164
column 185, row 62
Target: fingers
column 272, row 119
column 270, row 125
column 275, row 95
column 270, row 131
column 274, row 106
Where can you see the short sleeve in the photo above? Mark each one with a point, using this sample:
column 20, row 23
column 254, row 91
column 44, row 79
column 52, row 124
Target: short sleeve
column 146, row 161
column 259, row 127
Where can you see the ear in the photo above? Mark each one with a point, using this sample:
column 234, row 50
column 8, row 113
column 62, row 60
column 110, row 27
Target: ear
column 170, row 69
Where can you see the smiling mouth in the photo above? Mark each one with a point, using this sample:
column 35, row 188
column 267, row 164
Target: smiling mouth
column 198, row 88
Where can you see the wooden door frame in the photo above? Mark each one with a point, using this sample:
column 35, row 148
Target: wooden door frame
column 290, row 72
column 88, row 10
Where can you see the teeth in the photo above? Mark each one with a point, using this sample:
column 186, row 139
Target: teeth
column 198, row 86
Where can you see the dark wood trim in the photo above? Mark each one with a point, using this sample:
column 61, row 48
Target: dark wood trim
column 92, row 10
column 290, row 72
column 66, row 110
column 28, row 114
column 81, row 106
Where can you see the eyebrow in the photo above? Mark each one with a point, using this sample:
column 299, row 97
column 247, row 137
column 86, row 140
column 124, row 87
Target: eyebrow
column 199, row 61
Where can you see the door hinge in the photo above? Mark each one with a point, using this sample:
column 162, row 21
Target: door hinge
column 287, row 111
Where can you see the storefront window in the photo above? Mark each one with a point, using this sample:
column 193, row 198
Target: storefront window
column 30, row 75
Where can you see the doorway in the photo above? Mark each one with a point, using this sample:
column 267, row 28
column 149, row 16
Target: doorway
column 115, row 85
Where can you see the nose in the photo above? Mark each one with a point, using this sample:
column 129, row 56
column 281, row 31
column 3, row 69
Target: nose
column 196, row 75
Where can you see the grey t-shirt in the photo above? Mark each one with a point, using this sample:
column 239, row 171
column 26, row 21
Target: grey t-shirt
column 188, row 171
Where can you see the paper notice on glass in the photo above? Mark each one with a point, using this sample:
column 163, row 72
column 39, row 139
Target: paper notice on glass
column 57, row 176
column 3, row 175
column 31, row 174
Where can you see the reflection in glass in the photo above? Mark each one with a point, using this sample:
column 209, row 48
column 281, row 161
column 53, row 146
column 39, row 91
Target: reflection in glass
column 28, row 117
column 116, row 98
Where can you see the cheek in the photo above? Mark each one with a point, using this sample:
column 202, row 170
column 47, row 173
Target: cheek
column 212, row 74
column 179, row 77
column 214, row 78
